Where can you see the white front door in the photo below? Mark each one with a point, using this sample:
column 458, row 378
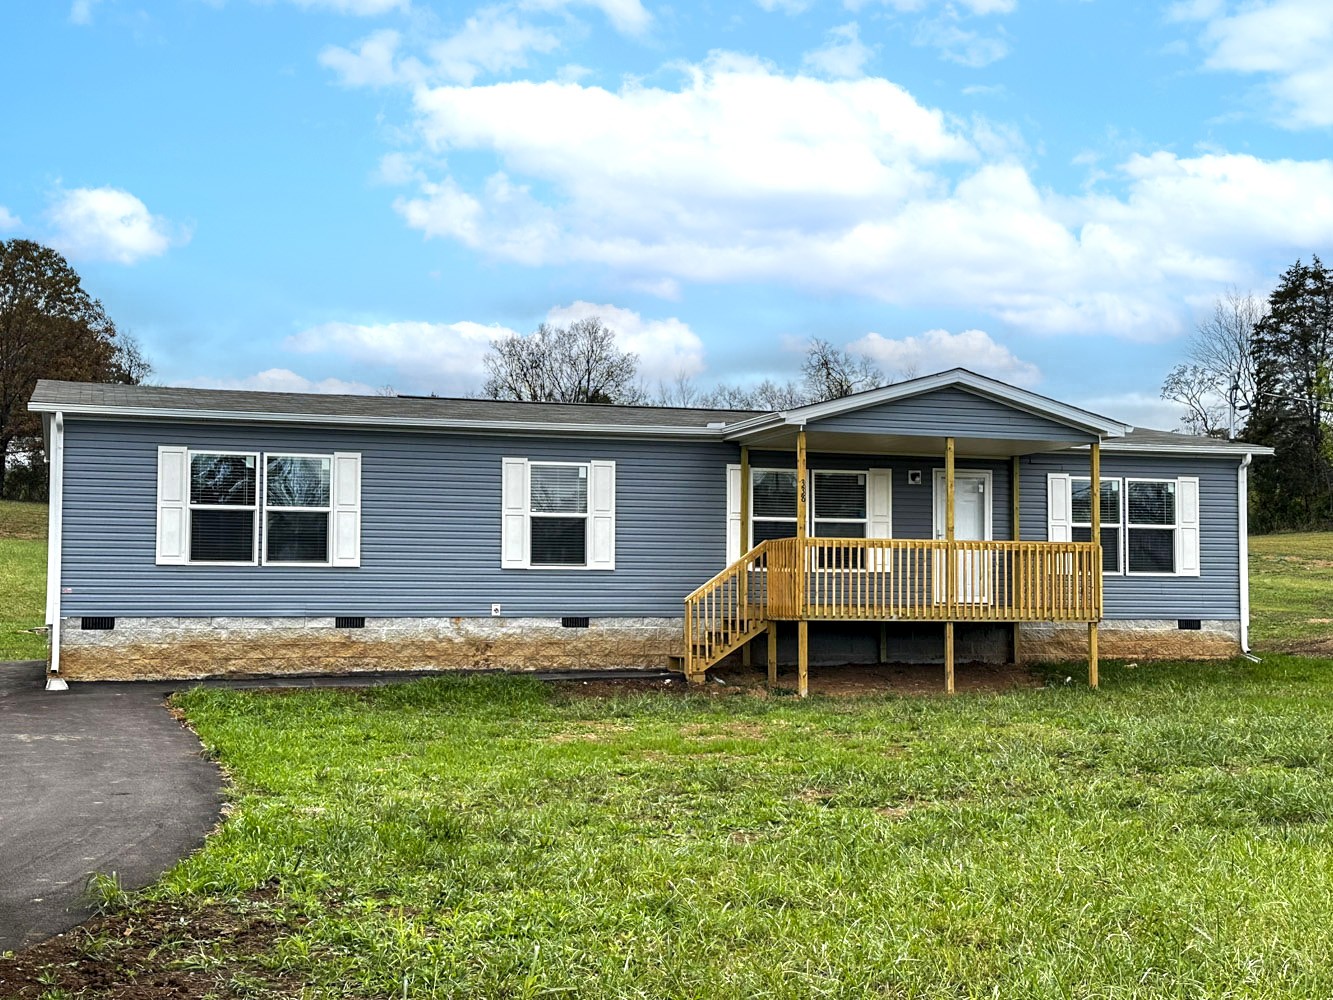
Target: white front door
column 971, row 522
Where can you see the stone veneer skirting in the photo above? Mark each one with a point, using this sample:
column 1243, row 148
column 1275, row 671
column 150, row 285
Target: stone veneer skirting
column 1130, row 639
column 182, row 648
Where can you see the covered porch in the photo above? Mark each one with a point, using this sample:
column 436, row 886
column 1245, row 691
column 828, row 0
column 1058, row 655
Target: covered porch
column 948, row 568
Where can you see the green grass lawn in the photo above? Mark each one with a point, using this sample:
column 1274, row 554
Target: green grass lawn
column 1166, row 836
column 1291, row 591
column 22, row 579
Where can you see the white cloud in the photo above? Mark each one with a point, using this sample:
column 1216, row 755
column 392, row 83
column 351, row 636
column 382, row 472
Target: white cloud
column 629, row 17
column 359, row 8
column 8, row 220
column 1286, row 41
column 666, row 347
column 744, row 174
column 491, row 41
column 971, row 6
column 843, row 55
column 427, row 357
column 939, row 350
column 81, row 11
column 372, row 64
column 107, row 223
column 282, row 380
column 958, row 44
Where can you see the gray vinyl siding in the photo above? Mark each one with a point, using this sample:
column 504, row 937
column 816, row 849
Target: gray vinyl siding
column 951, row 412
column 1215, row 593
column 430, row 540
column 911, row 504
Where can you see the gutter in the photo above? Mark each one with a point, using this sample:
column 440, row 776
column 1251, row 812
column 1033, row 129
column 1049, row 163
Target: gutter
column 54, row 532
column 1243, row 521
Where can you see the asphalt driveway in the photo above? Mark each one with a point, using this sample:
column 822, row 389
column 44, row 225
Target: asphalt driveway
column 99, row 778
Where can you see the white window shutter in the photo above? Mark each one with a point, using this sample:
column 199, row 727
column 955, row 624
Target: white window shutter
column 173, row 496
column 514, row 513
column 602, row 515
column 346, row 509
column 733, row 513
column 1059, row 509
column 879, row 504
column 1187, row 526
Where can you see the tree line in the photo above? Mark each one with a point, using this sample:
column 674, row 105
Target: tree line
column 1262, row 370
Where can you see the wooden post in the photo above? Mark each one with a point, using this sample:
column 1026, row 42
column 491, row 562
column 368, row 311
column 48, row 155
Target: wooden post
column 746, row 658
column 948, row 657
column 1016, row 529
column 1096, row 463
column 803, row 658
column 950, row 563
column 772, row 654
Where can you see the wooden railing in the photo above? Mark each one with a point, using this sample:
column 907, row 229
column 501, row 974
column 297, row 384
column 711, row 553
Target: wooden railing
column 925, row 580
column 726, row 612
column 890, row 579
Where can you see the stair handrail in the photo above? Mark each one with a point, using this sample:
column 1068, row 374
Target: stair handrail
column 737, row 616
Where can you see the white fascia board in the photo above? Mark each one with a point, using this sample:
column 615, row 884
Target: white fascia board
column 1223, row 449
column 389, row 423
column 1010, row 395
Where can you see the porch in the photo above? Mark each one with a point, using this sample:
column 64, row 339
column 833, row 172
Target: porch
column 946, row 579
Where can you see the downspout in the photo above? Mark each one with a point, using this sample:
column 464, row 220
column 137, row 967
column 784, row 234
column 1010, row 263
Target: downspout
column 55, row 526
column 1243, row 498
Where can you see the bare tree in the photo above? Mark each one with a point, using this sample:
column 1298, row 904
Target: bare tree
column 831, row 373
column 680, row 391
column 1217, row 377
column 579, row 363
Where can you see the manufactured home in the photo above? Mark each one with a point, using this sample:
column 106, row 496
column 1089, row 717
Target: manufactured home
column 199, row 533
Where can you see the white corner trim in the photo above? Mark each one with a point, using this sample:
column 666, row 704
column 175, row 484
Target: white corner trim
column 1243, row 527
column 55, row 524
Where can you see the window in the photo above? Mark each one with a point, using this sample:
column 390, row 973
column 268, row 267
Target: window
column 557, row 515
column 772, row 504
column 559, row 508
column 297, row 508
column 1150, row 525
column 243, row 508
column 1081, row 518
column 222, row 507
column 839, row 505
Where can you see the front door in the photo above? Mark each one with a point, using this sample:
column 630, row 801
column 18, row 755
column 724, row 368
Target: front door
column 971, row 522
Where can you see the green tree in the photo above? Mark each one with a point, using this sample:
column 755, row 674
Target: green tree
column 1293, row 401
column 50, row 327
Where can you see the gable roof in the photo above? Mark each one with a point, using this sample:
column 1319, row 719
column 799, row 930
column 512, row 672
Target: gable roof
column 960, row 378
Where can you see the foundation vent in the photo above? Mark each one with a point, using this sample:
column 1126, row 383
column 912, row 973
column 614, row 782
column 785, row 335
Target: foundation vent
column 348, row 621
column 97, row 624
column 1190, row 625
column 573, row 623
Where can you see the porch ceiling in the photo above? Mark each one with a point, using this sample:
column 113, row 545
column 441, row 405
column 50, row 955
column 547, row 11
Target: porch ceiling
column 844, row 443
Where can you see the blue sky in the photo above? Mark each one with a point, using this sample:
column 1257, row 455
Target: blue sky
column 336, row 195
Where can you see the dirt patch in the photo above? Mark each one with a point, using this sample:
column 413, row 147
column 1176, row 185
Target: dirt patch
column 852, row 681
column 1317, row 646
column 159, row 951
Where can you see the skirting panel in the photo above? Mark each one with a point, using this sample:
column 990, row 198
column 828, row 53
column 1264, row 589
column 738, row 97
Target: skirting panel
column 181, row 648
column 1134, row 639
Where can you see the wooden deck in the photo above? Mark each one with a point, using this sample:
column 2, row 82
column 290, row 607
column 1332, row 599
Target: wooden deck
column 889, row 580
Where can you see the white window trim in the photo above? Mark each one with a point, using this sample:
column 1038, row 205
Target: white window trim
column 264, row 560
column 793, row 520
column 1122, row 548
column 1174, row 527
column 586, row 515
column 592, row 515
column 191, row 507
column 814, row 511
